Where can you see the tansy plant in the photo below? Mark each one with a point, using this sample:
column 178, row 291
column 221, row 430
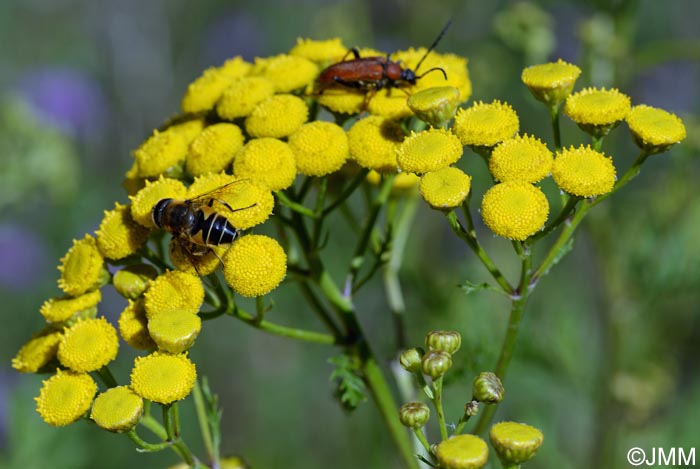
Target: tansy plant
column 291, row 157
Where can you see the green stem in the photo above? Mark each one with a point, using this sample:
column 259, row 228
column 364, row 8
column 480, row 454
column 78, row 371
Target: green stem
column 556, row 128
column 284, row 331
column 107, row 377
column 318, row 221
column 295, row 207
column 145, row 446
column 212, row 451
column 563, row 215
column 423, row 440
column 437, row 402
column 347, row 191
column 319, row 307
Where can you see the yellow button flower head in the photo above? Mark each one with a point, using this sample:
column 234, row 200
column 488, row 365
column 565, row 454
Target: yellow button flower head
column 373, row 143
column 143, row 202
column 82, row 267
column 277, row 117
column 445, row 188
column 319, row 148
column 172, row 291
column 552, row 82
column 117, row 409
column 486, row 125
column 88, row 345
column 514, row 209
column 653, row 129
column 133, row 326
column 235, row 68
column 390, row 102
column 39, row 351
column 255, row 265
column 252, row 203
column 62, row 309
column 243, row 95
column 286, row 72
column 268, row 161
column 515, row 443
column 455, row 68
column 583, row 172
column 119, row 235
column 462, row 452
column 65, row 397
column 200, row 264
column 213, row 150
column 404, row 183
column 174, row 331
column 188, row 129
column 131, row 281
column 435, row 105
column 342, row 100
column 523, row 158
column 597, row 111
column 203, row 93
column 320, row 52
column 162, row 377
column 162, row 153
column 428, row 151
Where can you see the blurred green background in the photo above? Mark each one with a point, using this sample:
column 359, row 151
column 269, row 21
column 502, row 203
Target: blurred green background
column 607, row 358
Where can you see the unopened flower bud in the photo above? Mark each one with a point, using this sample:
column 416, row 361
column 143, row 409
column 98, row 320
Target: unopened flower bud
column 131, row 281
column 411, row 360
column 552, row 82
column 515, row 443
column 436, row 363
column 446, row 341
column 471, row 408
column 435, row 105
column 462, row 452
column 487, row 388
column 414, row 414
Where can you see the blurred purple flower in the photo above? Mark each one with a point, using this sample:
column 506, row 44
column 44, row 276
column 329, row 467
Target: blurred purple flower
column 23, row 256
column 66, row 98
column 234, row 33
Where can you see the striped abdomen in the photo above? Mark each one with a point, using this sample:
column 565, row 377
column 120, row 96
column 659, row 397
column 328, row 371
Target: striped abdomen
column 211, row 229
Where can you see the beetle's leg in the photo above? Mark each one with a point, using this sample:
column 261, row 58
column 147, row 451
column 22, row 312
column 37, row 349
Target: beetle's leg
column 349, row 84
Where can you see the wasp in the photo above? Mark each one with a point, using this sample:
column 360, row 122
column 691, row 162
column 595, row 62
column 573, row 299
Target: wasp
column 196, row 223
column 375, row 73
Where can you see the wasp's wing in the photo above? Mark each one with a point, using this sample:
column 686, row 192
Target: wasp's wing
column 217, row 196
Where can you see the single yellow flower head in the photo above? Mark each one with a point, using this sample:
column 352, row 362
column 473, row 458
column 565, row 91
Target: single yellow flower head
column 65, row 397
column 552, row 82
column 243, row 95
column 653, row 129
column 320, row 52
column 342, row 100
column 435, row 105
column 277, row 117
column 286, row 72
column 131, row 281
column 203, row 93
column 172, row 291
column 143, row 201
column 62, row 309
column 523, row 158
column 163, row 153
column 255, row 265
column 428, row 151
column 462, row 452
column 88, row 345
column 583, row 172
column 445, row 188
column 390, row 103
column 373, row 143
column 404, row 183
column 454, row 66
column 82, row 268
column 133, row 326
column 514, row 209
column 252, row 202
column 235, row 68
column 188, row 129
column 162, row 377
column 268, row 161
column 486, row 125
column 117, row 409
column 38, row 352
column 593, row 109
column 119, row 235
column 319, row 148
column 200, row 264
column 213, row 150
column 515, row 443
column 174, row 331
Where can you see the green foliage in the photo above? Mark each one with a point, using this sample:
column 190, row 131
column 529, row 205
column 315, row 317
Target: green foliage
column 350, row 390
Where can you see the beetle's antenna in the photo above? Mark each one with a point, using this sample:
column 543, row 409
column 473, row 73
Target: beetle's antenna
column 444, row 74
column 435, row 43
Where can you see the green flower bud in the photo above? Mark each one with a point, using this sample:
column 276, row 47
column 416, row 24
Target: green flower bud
column 436, row 363
column 462, row 452
column 131, row 281
column 414, row 414
column 515, row 443
column 411, row 359
column 487, row 388
column 446, row 341
column 435, row 105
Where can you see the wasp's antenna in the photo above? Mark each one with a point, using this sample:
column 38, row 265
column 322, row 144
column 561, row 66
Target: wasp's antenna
column 432, row 46
column 444, row 74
